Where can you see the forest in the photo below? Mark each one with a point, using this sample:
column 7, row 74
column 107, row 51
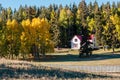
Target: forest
column 34, row 30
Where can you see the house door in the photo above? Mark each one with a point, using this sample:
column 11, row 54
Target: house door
column 75, row 45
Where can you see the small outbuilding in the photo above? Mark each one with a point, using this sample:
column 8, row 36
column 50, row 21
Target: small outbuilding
column 76, row 41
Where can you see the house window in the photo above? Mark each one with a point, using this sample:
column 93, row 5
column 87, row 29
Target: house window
column 75, row 40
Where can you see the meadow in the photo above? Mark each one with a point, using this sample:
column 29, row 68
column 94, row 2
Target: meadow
column 40, row 70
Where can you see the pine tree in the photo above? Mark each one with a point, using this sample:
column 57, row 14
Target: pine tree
column 54, row 29
column 83, row 14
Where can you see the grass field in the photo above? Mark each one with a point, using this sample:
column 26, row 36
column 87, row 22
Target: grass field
column 70, row 57
column 35, row 70
column 23, row 70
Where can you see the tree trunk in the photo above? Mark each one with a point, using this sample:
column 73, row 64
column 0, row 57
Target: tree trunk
column 113, row 49
column 43, row 52
column 35, row 52
column 104, row 47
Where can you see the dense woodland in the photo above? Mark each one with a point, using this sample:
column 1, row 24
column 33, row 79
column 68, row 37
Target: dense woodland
column 35, row 30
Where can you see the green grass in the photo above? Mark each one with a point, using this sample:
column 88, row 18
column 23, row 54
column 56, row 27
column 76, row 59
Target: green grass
column 70, row 57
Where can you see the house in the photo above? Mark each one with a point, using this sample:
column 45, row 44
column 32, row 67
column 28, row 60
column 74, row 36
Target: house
column 76, row 41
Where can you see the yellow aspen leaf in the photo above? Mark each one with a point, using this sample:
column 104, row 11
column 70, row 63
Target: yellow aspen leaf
column 9, row 24
column 27, row 23
column 14, row 23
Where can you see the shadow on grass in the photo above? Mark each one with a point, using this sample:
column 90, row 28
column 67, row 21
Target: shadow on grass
column 73, row 57
column 39, row 72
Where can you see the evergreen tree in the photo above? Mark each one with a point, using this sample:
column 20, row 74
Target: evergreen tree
column 83, row 11
column 101, row 20
column 74, row 26
column 54, row 29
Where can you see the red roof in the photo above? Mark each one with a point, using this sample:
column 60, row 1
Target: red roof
column 91, row 37
column 80, row 37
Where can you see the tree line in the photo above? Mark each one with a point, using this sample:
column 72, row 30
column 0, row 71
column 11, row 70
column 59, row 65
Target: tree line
column 35, row 30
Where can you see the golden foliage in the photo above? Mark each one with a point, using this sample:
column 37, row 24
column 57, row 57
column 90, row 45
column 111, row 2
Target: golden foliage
column 36, row 32
column 12, row 24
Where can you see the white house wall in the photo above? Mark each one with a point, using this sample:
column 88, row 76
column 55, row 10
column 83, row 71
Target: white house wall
column 73, row 42
column 94, row 45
